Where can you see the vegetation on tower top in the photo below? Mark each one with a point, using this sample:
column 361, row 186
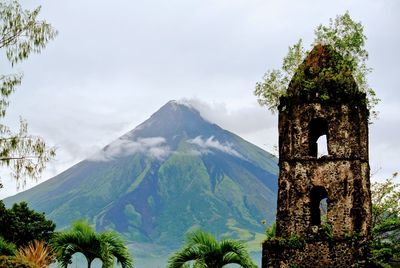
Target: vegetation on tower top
column 341, row 42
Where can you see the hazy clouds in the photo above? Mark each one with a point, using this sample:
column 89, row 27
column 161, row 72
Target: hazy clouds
column 114, row 63
column 154, row 147
column 206, row 146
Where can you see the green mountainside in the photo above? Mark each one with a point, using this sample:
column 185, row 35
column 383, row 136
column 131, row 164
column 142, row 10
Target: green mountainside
column 174, row 172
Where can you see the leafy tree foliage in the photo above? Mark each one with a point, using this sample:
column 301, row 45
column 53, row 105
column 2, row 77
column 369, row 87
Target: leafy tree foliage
column 82, row 238
column 21, row 225
column 203, row 250
column 7, row 248
column 346, row 37
column 21, row 33
column 385, row 244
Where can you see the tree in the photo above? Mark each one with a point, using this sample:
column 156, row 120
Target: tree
column 82, row 238
column 346, row 37
column 205, row 251
column 21, row 33
column 21, row 225
column 385, row 245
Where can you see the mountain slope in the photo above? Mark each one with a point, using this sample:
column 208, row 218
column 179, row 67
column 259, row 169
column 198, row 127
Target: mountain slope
column 174, row 172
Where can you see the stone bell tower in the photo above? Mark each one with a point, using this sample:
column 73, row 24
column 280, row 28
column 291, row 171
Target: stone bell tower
column 322, row 101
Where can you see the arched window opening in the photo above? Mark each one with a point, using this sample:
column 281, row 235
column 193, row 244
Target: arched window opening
column 319, row 205
column 318, row 128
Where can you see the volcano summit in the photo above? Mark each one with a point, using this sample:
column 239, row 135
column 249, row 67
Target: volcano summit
column 174, row 172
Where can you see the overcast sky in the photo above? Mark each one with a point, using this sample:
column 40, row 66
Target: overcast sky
column 114, row 63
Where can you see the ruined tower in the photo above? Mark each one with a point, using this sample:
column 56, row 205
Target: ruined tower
column 322, row 101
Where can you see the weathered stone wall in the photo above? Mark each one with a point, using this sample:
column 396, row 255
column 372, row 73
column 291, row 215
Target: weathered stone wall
column 347, row 130
column 345, row 253
column 322, row 100
column 346, row 188
column 344, row 173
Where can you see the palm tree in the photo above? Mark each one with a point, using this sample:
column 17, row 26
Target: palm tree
column 116, row 249
column 204, row 251
column 83, row 238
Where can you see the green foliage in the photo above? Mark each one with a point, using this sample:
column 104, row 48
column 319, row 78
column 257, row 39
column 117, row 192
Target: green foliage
column 13, row 262
column 21, row 225
column 83, row 238
column 328, row 231
column 346, row 37
column 295, row 241
column 7, row 248
column 385, row 243
column 21, row 33
column 271, row 231
column 116, row 249
column 80, row 238
column 275, row 82
column 291, row 242
column 203, row 250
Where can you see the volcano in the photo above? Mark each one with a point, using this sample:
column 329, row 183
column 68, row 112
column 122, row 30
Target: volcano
column 174, row 172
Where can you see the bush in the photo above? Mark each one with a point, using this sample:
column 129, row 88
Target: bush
column 6, row 248
column 13, row 262
column 37, row 252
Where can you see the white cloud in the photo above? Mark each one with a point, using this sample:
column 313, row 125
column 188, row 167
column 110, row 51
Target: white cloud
column 101, row 77
column 207, row 145
column 154, row 147
column 245, row 118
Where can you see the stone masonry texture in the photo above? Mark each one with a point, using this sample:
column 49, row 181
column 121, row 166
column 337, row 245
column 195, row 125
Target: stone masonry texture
column 303, row 237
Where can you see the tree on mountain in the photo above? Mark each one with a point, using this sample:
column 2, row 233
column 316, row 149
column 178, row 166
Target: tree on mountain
column 21, row 225
column 385, row 245
column 203, row 250
column 21, row 33
column 83, row 238
column 347, row 38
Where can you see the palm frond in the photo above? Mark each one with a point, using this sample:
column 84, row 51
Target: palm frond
column 117, row 248
column 184, row 256
column 203, row 250
column 83, row 238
